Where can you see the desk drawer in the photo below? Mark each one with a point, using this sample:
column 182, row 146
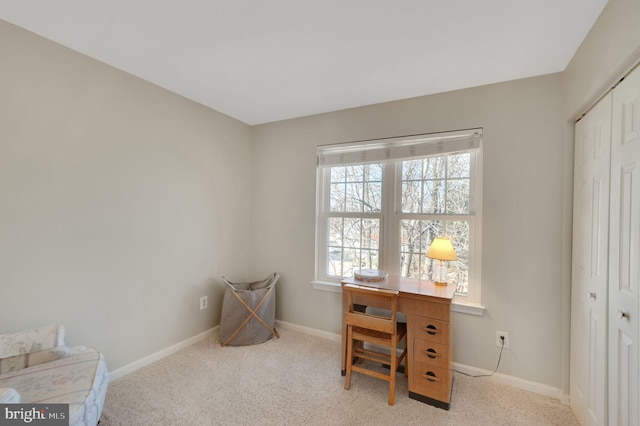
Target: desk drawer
column 441, row 311
column 432, row 330
column 430, row 381
column 431, row 353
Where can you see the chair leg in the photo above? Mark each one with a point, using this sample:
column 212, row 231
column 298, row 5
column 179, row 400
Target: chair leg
column 347, row 379
column 392, row 375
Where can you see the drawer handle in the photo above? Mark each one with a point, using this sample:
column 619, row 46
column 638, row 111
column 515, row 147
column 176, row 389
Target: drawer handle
column 431, row 330
column 431, row 353
column 431, row 376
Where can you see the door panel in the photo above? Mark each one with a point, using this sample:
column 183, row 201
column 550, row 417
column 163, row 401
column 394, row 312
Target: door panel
column 588, row 391
column 624, row 253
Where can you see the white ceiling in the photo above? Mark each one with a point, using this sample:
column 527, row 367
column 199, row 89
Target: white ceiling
column 267, row 60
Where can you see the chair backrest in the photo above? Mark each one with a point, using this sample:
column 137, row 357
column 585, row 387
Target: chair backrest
column 381, row 298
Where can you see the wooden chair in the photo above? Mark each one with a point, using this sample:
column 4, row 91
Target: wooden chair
column 374, row 329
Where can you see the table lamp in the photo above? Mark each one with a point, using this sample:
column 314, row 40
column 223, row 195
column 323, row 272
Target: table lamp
column 441, row 250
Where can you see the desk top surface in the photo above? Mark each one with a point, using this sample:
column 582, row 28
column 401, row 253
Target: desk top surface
column 408, row 285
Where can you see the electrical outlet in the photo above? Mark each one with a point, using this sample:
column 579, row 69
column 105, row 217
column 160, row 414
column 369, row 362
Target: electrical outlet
column 499, row 336
column 203, row 302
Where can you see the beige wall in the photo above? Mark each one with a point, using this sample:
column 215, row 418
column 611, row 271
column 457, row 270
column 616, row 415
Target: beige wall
column 120, row 202
column 608, row 52
column 523, row 216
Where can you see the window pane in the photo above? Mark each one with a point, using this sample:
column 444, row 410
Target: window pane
column 433, row 229
column 373, row 197
column 334, row 261
column 436, row 185
column 354, row 173
column 335, row 231
column 375, row 172
column 372, row 179
column 412, row 170
column 371, row 233
column 337, row 174
column 412, row 235
column 356, row 188
column 411, row 265
column 417, row 235
column 354, row 243
column 442, row 187
column 351, row 260
column 368, row 259
column 459, row 165
column 411, row 197
column 337, row 199
column 433, row 201
column 415, row 238
column 352, row 232
column 458, row 196
column 354, row 197
column 434, row 168
column 458, row 231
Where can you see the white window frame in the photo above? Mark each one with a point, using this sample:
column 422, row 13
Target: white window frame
column 390, row 152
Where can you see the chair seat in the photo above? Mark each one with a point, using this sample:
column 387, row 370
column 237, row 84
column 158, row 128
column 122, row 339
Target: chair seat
column 375, row 334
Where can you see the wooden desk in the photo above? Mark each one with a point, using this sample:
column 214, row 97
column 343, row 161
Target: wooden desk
column 428, row 311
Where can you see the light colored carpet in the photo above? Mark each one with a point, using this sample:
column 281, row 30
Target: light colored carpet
column 295, row 380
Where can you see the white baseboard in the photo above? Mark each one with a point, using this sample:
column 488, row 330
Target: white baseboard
column 130, row 368
column 516, row 382
column 307, row 330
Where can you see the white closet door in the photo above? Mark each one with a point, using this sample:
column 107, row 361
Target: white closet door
column 588, row 390
column 624, row 261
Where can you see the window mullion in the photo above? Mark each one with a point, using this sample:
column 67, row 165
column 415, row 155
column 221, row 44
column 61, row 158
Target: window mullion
column 391, row 244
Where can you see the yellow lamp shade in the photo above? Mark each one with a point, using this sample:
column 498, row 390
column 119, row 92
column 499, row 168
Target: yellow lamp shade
column 441, row 249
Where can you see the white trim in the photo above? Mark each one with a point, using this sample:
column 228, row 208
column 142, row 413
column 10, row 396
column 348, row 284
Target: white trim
column 143, row 362
column 310, row 331
column 464, row 308
column 517, row 382
column 396, row 149
column 327, row 286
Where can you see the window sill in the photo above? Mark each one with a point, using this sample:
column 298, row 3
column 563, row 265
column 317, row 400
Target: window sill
column 327, row 286
column 466, row 308
column 463, row 308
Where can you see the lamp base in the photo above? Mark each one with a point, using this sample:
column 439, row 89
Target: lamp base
column 439, row 273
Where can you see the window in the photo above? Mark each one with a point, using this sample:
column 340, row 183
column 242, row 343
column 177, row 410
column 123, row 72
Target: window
column 355, row 213
column 381, row 203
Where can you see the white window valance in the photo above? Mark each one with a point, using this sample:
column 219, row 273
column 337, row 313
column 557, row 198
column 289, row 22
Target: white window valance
column 394, row 149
